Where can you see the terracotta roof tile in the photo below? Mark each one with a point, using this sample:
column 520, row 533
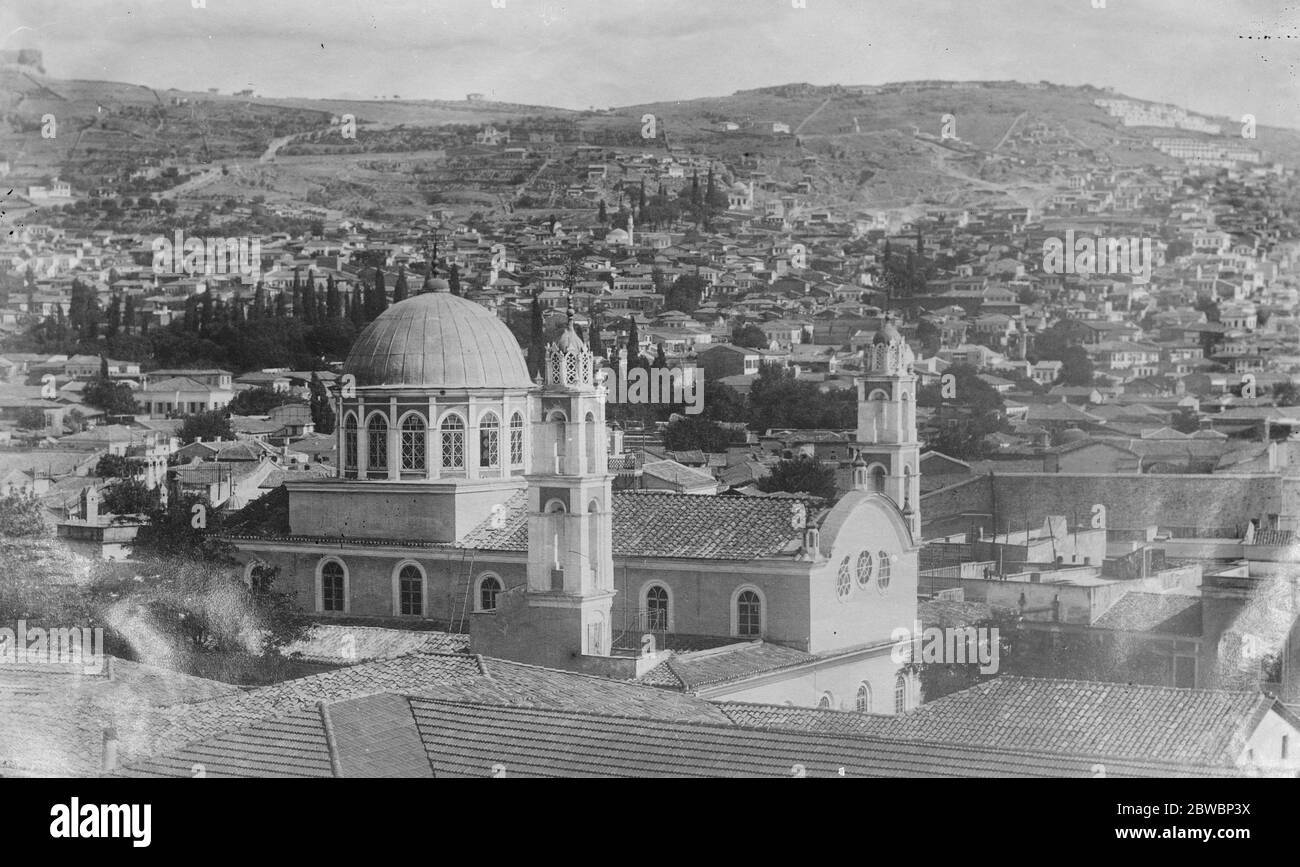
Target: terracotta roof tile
column 655, row 524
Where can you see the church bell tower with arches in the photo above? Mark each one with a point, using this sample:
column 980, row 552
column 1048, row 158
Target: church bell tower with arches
column 889, row 455
column 570, row 560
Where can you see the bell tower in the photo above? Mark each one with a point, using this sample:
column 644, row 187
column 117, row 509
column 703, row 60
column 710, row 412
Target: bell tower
column 570, row 553
column 889, row 456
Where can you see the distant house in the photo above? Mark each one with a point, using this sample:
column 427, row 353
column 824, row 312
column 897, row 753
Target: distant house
column 182, row 395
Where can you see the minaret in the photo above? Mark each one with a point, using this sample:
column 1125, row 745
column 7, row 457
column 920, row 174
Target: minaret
column 631, row 238
column 570, row 551
column 886, row 436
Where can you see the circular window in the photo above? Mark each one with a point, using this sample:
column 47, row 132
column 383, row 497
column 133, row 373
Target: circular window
column 864, row 569
column 844, row 581
column 882, row 576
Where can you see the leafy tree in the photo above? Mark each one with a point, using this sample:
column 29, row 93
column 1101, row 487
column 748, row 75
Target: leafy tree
column 1186, row 420
column 696, row 432
column 801, row 475
column 1286, row 394
column 208, row 425
column 31, row 418
column 1076, row 367
column 113, row 398
column 778, row 400
column 750, row 336
column 21, row 516
column 129, row 496
column 117, row 467
column 259, row 401
column 685, row 293
column 187, row 528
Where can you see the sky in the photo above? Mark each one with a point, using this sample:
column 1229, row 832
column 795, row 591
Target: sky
column 1206, row 55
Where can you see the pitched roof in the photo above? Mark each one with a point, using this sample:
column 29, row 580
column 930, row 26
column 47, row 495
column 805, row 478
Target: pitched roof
column 660, row 524
column 468, row 740
column 690, row 671
column 1199, row 726
column 1166, row 613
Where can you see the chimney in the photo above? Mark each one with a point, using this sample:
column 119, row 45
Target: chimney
column 110, row 749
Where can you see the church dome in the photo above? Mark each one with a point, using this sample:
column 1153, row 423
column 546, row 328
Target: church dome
column 438, row 340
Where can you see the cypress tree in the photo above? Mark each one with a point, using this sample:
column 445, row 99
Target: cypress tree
column 453, row 279
column 633, row 342
column 333, row 306
column 536, row 340
column 401, row 290
column 128, row 314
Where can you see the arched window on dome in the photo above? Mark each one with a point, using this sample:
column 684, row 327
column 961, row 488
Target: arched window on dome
column 453, row 442
column 413, row 443
column 489, row 441
column 517, row 440
column 350, row 444
column 377, row 442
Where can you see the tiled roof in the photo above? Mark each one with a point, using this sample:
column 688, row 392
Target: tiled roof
column 655, row 524
column 292, row 745
column 52, row 717
column 1169, row 614
column 677, row 474
column 690, row 671
column 467, row 740
column 348, row 644
column 454, row 677
column 1199, row 726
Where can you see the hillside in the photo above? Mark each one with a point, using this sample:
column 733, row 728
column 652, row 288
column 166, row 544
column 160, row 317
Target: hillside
column 851, row 148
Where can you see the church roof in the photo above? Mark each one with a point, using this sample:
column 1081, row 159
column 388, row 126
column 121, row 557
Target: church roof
column 690, row 671
column 655, row 524
column 438, row 340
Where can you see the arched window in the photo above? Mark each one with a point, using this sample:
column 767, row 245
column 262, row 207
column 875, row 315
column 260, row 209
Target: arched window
column 843, row 580
column 656, row 608
column 883, row 575
column 878, row 479
column 413, row 443
column 863, row 702
column 489, row 588
column 516, row 440
column 878, row 394
column 410, row 590
column 350, row 442
column 377, row 442
column 453, row 443
column 333, row 586
column 749, row 615
column 900, row 694
column 489, row 441
column 826, row 702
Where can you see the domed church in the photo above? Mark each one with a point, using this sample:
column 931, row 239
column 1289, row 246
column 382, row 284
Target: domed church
column 472, row 497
